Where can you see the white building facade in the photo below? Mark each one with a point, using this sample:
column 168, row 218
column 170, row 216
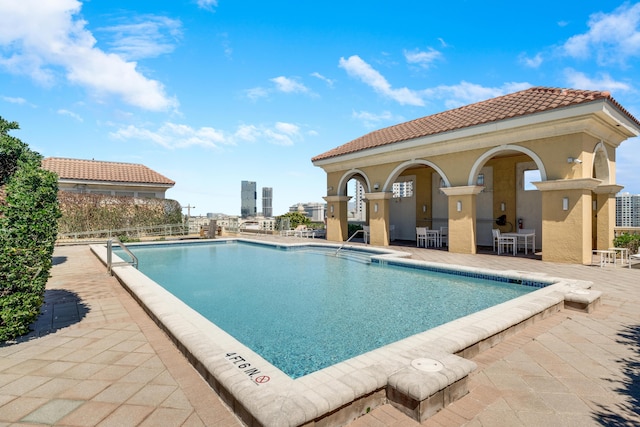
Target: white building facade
column 628, row 210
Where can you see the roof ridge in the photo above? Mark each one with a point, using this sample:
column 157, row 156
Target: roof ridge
column 535, row 99
column 98, row 170
column 94, row 160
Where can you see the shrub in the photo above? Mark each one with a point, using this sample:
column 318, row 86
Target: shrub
column 295, row 219
column 629, row 241
column 28, row 223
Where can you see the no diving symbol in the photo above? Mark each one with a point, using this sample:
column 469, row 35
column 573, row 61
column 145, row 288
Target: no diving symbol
column 262, row 379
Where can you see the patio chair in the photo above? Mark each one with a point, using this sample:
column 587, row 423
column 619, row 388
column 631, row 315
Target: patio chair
column 444, row 236
column 421, row 236
column 634, row 257
column 504, row 242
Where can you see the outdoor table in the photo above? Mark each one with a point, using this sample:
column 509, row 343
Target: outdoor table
column 526, row 237
column 433, row 236
column 624, row 255
column 605, row 256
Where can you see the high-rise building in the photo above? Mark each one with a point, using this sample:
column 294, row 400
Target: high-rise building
column 627, row 210
column 402, row 189
column 267, row 199
column 248, row 198
column 360, row 210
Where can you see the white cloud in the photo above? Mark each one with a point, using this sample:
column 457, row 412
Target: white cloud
column 12, row 100
column 534, row 62
column 207, row 4
column 282, row 84
column 226, row 44
column 51, row 40
column 328, row 81
column 247, row 133
column 176, row 136
column 256, row 93
column 613, row 38
column 372, row 120
column 281, row 133
column 70, row 114
column 172, row 135
column 359, row 69
column 468, row 93
column 148, row 37
column 287, row 85
column 287, row 128
column 422, row 58
column 604, row 81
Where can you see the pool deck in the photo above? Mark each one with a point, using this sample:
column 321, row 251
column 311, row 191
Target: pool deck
column 96, row 358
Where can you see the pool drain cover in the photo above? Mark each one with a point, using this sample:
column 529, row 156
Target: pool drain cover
column 427, row 365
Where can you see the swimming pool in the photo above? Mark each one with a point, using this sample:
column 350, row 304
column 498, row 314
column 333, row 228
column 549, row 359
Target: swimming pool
column 418, row 375
column 306, row 309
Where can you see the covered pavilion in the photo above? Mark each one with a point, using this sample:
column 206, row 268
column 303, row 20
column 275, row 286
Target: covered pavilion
column 541, row 158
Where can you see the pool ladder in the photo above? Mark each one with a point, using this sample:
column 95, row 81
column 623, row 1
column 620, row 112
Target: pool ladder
column 110, row 263
column 348, row 240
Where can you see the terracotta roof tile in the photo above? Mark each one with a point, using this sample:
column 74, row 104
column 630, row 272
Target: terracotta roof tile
column 93, row 170
column 529, row 101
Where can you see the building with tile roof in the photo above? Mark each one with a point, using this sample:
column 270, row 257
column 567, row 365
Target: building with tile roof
column 526, row 156
column 110, row 178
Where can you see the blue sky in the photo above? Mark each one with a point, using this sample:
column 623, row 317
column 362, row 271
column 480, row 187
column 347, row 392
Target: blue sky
column 213, row 92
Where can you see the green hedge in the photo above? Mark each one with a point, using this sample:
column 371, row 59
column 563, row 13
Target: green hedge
column 629, row 241
column 28, row 226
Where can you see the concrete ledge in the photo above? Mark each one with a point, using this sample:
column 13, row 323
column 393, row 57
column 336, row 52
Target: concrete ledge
column 421, row 394
column 585, row 300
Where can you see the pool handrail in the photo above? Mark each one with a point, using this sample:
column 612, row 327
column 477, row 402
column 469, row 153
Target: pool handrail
column 110, row 263
column 348, row 240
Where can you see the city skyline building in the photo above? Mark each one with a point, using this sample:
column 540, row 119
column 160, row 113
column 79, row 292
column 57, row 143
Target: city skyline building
column 267, row 200
column 315, row 211
column 627, row 210
column 360, row 210
column 248, row 198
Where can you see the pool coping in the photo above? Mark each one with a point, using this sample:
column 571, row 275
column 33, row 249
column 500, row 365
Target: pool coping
column 261, row 394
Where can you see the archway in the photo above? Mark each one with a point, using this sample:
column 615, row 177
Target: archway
column 416, row 199
column 508, row 200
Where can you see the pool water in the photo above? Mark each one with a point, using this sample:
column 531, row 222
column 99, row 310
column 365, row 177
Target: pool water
column 303, row 310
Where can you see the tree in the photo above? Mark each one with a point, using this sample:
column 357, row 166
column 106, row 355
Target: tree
column 28, row 228
column 295, row 219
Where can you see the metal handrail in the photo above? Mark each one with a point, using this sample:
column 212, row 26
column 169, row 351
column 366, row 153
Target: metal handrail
column 149, row 230
column 349, row 239
column 110, row 263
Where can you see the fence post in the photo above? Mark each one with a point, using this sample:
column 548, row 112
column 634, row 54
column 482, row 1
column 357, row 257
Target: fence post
column 109, row 255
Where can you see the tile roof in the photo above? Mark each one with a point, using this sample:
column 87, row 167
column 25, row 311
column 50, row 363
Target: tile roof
column 93, row 170
column 529, row 101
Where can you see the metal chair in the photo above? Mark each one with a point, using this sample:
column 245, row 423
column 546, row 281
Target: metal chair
column 444, row 236
column 504, row 242
column 421, row 236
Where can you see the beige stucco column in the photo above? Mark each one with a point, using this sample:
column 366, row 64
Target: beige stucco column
column 337, row 227
column 566, row 219
column 378, row 212
column 605, row 214
column 462, row 218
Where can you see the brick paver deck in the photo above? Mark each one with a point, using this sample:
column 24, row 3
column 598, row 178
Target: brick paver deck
column 96, row 358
